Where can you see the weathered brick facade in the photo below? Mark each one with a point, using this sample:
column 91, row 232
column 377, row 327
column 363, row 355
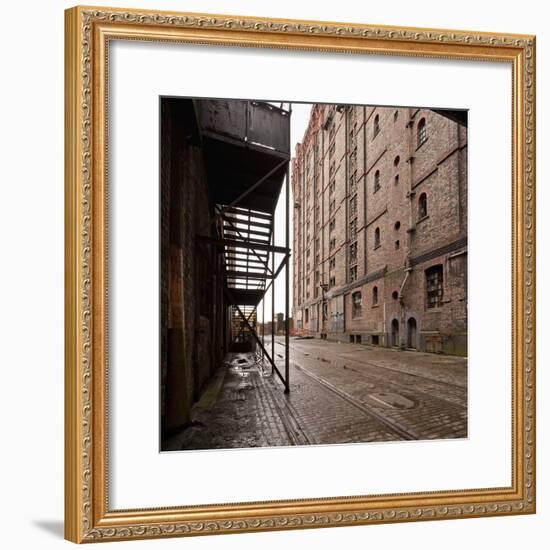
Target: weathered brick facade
column 380, row 228
column 194, row 314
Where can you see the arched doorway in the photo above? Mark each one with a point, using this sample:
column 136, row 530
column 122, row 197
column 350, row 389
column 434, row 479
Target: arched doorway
column 395, row 333
column 411, row 333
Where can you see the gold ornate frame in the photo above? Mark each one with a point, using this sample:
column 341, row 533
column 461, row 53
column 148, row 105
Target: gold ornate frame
column 88, row 32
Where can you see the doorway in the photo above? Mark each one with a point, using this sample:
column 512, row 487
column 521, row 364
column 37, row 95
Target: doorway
column 411, row 333
column 395, row 333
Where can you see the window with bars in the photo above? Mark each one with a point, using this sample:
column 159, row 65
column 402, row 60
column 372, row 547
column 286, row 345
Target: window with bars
column 332, row 282
column 376, row 180
column 352, row 116
column 353, row 160
column 332, row 263
column 356, row 305
column 332, row 225
column 376, row 126
column 353, row 182
column 353, row 229
column 421, row 133
column 353, row 205
column 332, row 244
column 434, row 286
column 377, row 237
column 353, row 253
column 352, row 273
column 331, row 131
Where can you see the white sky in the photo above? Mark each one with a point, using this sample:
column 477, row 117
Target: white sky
column 298, row 124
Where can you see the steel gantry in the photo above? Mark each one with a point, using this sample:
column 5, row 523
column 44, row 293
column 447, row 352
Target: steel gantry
column 247, row 156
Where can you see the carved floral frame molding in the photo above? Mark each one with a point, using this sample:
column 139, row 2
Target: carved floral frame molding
column 88, row 32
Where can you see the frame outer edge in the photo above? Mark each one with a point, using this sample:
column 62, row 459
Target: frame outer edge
column 73, row 368
column 82, row 523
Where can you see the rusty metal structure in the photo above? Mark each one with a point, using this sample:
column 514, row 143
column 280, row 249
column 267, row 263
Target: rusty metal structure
column 246, row 148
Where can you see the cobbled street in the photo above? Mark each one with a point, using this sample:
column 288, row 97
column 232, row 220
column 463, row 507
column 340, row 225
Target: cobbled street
column 339, row 393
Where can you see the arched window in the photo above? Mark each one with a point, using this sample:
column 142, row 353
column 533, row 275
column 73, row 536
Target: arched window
column 397, row 225
column 421, row 132
column 376, row 128
column 422, row 206
column 374, row 295
column 377, row 237
column 396, row 160
column 376, row 180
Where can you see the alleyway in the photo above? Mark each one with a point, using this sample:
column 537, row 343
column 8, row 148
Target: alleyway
column 340, row 393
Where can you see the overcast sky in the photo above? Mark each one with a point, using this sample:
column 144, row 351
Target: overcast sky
column 298, row 124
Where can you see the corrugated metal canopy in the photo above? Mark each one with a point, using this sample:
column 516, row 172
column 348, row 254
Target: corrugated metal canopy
column 243, row 141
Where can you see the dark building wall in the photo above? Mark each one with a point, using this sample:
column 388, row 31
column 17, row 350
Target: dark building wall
column 193, row 312
column 359, row 177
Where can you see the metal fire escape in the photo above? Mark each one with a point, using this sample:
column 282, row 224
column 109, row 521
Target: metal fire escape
column 247, row 154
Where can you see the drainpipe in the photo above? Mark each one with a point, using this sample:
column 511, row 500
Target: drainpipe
column 410, row 195
column 402, row 308
column 384, row 320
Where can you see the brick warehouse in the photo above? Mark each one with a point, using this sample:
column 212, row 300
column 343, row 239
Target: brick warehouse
column 380, row 227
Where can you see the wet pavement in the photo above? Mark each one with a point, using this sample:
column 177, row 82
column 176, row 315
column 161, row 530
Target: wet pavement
column 339, row 393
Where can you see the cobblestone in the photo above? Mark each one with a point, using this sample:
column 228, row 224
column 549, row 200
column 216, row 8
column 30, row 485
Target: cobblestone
column 340, row 393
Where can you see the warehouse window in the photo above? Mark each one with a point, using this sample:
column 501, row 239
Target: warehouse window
column 422, row 206
column 422, row 136
column 376, row 128
column 434, row 286
column 376, row 180
column 374, row 295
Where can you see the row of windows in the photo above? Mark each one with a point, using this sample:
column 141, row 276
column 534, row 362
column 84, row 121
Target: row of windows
column 421, row 130
column 422, row 213
column 434, row 292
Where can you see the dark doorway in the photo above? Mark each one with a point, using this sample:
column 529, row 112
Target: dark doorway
column 395, row 333
column 411, row 333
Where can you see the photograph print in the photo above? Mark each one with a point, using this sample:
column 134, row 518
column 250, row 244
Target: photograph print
column 313, row 273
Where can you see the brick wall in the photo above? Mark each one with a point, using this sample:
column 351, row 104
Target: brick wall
column 192, row 307
column 391, row 202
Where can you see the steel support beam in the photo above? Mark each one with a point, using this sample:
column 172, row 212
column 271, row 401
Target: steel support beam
column 287, row 279
column 243, row 244
column 253, row 332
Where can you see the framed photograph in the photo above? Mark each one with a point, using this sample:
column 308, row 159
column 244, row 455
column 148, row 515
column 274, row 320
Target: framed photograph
column 300, row 280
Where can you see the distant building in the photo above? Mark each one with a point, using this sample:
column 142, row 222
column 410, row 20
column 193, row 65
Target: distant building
column 280, row 323
column 380, row 228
